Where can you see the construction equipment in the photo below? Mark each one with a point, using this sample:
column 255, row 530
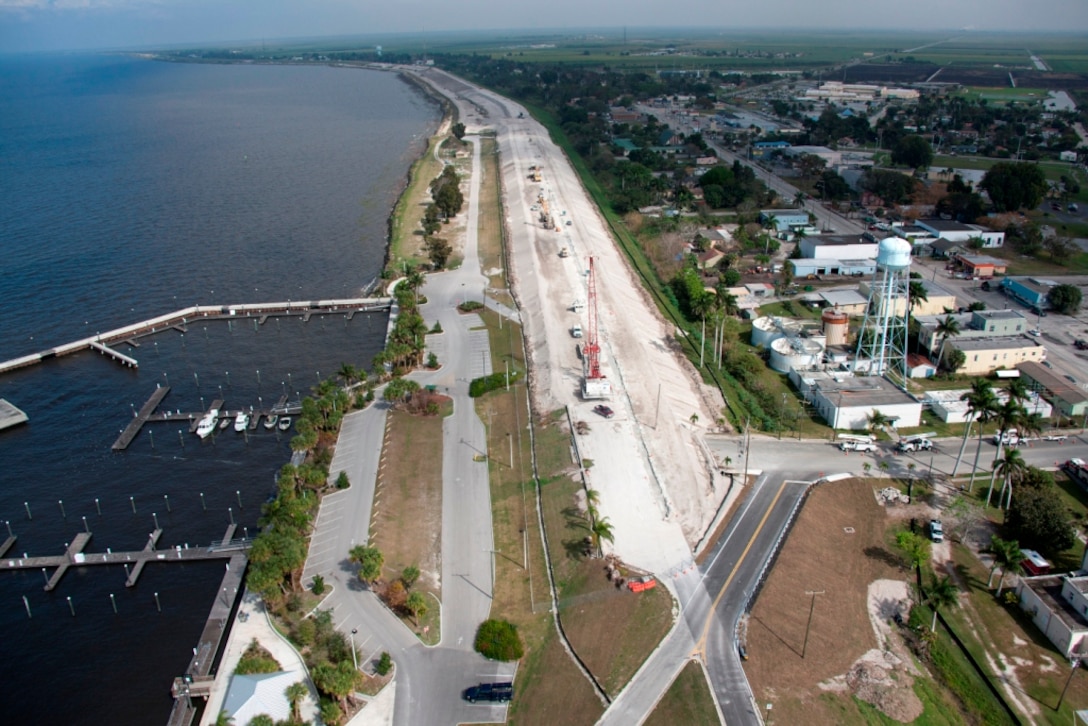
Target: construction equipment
column 534, row 173
column 851, row 442
column 917, row 442
column 594, row 384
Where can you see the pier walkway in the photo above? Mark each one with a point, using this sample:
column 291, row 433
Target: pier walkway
column 74, row 556
column 180, row 319
column 147, row 414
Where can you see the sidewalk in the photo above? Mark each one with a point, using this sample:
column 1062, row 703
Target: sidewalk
column 251, row 623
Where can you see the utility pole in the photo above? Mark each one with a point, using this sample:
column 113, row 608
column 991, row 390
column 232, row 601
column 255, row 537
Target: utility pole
column 811, row 610
column 747, row 448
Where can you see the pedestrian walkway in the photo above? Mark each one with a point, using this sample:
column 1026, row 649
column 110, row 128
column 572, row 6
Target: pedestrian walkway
column 251, row 623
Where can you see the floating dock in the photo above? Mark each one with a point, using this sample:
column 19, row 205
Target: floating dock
column 10, row 415
column 180, row 320
column 74, row 556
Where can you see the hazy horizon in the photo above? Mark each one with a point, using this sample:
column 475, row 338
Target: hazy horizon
column 60, row 25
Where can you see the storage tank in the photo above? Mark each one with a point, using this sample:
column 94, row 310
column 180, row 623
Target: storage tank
column 836, row 326
column 790, row 353
column 893, row 253
column 764, row 330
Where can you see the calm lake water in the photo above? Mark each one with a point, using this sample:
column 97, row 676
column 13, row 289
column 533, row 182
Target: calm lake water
column 130, row 188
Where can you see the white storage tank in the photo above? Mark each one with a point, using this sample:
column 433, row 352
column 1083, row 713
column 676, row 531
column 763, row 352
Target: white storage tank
column 764, row 330
column 791, row 353
column 893, row 253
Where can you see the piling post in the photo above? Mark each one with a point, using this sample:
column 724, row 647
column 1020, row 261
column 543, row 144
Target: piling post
column 27, row 505
column 238, row 493
column 202, row 504
column 158, row 605
column 62, row 512
column 166, row 498
column 86, row 528
column 71, row 606
column 26, row 604
column 132, row 501
column 98, row 506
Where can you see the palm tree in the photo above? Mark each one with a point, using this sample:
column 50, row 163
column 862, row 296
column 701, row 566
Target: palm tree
column 1018, row 390
column 1032, row 424
column 917, row 294
column 414, row 281
column 224, row 719
column 1007, row 556
column 1007, row 416
column 348, row 373
column 942, row 593
column 295, row 693
column 876, row 420
column 1012, row 469
column 600, row 530
column 981, row 397
column 947, row 327
column 1011, row 566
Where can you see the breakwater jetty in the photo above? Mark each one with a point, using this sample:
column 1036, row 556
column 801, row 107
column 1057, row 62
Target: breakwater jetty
column 179, row 320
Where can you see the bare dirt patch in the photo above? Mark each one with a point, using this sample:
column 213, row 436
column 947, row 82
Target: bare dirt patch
column 843, row 651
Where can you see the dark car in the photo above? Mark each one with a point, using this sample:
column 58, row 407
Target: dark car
column 604, row 411
column 498, row 692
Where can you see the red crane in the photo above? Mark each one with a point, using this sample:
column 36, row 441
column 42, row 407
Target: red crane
column 592, row 349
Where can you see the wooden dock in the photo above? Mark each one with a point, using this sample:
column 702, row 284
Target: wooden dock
column 180, row 320
column 75, row 557
column 198, row 679
column 140, row 418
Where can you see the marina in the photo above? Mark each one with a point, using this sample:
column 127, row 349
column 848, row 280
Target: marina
column 258, row 313
column 204, row 423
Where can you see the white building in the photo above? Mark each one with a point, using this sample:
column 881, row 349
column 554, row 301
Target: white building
column 839, row 247
column 960, row 232
column 1058, row 605
column 949, row 408
column 846, row 401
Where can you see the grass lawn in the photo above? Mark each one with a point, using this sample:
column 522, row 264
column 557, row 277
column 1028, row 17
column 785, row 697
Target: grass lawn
column 406, row 238
column 407, row 521
column 490, row 233
column 840, row 631
column 688, row 700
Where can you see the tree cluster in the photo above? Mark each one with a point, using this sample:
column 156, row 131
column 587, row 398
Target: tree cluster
column 1013, row 186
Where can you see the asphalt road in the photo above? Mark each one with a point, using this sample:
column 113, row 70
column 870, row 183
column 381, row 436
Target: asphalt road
column 429, row 681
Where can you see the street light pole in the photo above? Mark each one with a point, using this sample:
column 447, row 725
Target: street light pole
column 354, row 657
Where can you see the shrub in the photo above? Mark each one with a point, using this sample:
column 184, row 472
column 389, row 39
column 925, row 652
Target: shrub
column 410, row 575
column 499, row 640
column 384, row 665
column 342, row 481
column 318, row 586
column 432, row 360
column 470, row 306
column 486, row 384
column 437, row 327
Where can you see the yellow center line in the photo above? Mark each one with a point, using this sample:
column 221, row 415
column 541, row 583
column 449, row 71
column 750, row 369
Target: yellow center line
column 700, row 647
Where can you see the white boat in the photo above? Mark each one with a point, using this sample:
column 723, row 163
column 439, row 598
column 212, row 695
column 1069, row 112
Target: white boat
column 224, row 423
column 241, row 421
column 270, row 421
column 284, row 423
column 207, row 424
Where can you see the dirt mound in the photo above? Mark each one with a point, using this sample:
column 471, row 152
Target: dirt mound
column 878, row 678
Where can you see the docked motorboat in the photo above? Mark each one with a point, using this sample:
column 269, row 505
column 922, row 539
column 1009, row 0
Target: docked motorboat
column 225, row 422
column 270, row 421
column 207, row 424
column 284, row 423
column 241, row 421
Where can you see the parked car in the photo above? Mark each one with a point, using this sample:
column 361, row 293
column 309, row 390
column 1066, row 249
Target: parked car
column 498, row 692
column 576, row 331
column 604, row 411
column 936, row 530
column 915, row 445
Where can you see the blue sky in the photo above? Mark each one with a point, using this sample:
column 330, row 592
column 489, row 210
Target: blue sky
column 29, row 25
